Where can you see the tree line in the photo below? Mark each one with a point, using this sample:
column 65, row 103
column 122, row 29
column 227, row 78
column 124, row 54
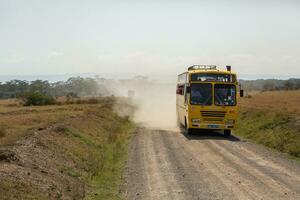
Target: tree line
column 270, row 84
column 76, row 86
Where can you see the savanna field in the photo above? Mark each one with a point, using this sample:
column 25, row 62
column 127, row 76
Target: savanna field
column 272, row 118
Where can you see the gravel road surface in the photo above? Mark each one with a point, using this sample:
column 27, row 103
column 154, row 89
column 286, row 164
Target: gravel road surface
column 170, row 165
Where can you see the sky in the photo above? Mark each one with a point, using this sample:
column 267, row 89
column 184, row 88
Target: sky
column 154, row 38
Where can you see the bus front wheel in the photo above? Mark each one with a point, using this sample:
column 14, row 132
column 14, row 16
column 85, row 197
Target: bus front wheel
column 227, row 133
column 188, row 131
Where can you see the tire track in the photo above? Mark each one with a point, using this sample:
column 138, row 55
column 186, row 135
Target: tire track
column 195, row 179
column 274, row 177
column 172, row 166
column 136, row 184
column 233, row 176
column 157, row 164
column 265, row 161
column 255, row 181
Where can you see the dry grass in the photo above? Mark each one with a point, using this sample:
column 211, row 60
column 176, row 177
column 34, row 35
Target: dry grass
column 2, row 131
column 287, row 101
column 77, row 150
column 272, row 119
column 19, row 121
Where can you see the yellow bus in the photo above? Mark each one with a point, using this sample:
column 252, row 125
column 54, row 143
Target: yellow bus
column 207, row 99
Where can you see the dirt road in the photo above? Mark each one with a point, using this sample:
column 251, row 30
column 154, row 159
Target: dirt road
column 169, row 165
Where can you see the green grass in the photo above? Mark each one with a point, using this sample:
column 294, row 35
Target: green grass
column 100, row 164
column 107, row 182
column 70, row 171
column 99, row 151
column 274, row 129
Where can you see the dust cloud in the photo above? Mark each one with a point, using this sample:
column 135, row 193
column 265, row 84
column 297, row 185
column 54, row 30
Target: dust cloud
column 155, row 101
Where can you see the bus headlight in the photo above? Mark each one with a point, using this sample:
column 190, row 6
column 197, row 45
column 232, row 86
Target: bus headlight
column 230, row 121
column 196, row 121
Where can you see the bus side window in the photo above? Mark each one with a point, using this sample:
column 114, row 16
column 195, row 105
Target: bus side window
column 187, row 91
column 180, row 89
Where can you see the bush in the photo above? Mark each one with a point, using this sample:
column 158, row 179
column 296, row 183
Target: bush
column 2, row 131
column 88, row 101
column 93, row 101
column 37, row 99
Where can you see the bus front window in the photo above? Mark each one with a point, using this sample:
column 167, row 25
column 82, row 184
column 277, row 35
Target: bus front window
column 201, row 94
column 225, row 94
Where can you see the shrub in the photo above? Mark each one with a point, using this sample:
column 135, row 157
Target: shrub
column 79, row 101
column 37, row 99
column 71, row 96
column 2, row 131
column 93, row 101
column 88, row 101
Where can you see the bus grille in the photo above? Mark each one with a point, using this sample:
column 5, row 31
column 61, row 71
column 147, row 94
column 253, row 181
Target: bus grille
column 214, row 114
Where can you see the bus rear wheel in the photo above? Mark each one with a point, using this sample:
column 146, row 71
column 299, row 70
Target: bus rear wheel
column 227, row 133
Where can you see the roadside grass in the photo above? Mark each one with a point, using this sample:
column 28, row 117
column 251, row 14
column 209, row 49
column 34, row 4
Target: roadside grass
column 107, row 182
column 90, row 138
column 273, row 128
column 70, row 171
column 2, row 131
column 18, row 186
column 99, row 151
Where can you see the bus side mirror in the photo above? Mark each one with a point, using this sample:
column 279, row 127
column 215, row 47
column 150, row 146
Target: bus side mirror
column 188, row 89
column 241, row 93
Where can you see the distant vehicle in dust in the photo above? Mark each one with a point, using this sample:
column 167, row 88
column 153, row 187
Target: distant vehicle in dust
column 207, row 99
column 131, row 94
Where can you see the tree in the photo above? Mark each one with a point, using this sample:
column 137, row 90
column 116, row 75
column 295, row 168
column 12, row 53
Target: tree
column 37, row 99
column 40, row 86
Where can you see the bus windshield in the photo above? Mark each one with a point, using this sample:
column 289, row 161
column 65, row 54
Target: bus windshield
column 201, row 94
column 225, row 95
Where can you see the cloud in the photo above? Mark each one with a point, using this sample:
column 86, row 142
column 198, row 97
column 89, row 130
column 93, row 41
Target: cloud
column 55, row 55
column 13, row 58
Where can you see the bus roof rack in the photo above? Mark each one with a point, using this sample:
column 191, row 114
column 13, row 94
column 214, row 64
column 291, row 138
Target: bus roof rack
column 203, row 67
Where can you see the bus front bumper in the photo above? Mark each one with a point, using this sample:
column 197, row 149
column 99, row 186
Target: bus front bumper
column 212, row 126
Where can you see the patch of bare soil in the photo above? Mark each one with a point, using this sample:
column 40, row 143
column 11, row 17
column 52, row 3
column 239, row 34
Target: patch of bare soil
column 34, row 168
